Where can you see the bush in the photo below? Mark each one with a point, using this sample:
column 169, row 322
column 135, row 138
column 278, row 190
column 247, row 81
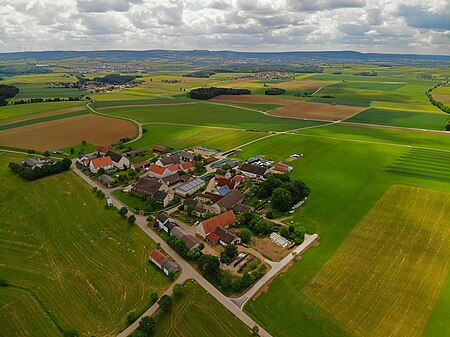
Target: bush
column 165, row 302
column 245, row 235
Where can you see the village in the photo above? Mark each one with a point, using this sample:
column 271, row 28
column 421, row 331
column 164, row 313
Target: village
column 202, row 203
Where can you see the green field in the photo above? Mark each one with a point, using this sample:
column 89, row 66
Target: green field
column 42, row 119
column 210, row 115
column 102, row 104
column 10, row 112
column 410, row 119
column 387, row 275
column 347, row 178
column 405, row 106
column 86, row 267
column 403, row 138
column 196, row 313
column 180, row 137
column 41, row 90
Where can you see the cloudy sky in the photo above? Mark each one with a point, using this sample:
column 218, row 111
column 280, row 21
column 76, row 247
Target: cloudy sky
column 398, row 26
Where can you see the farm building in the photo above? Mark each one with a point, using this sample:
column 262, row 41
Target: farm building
column 148, row 187
column 222, row 162
column 208, row 226
column 163, row 262
column 119, row 161
column 227, row 202
column 222, row 174
column 283, row 168
column 223, row 190
column 205, row 151
column 231, row 183
column 254, row 171
column 209, row 197
column 190, row 187
column 158, row 171
column 190, row 241
column 34, row 163
column 83, row 160
column 105, row 163
column 165, row 222
column 170, row 180
column 141, row 165
column 106, row 180
column 161, row 149
column 226, row 238
column 134, row 153
column 102, row 149
column 241, row 208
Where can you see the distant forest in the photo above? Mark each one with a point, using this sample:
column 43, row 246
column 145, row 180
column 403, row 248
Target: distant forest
column 115, row 79
column 7, row 91
column 207, row 93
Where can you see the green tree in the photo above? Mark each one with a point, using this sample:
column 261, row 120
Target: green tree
column 165, row 302
column 245, row 235
column 123, row 211
column 153, row 297
column 72, row 150
column 231, row 251
column 209, row 265
column 282, row 199
column 146, row 325
column 131, row 219
column 177, row 289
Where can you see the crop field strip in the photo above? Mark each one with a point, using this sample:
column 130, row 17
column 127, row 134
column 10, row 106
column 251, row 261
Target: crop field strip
column 197, row 313
column 400, row 248
column 71, row 260
column 42, row 119
column 423, row 164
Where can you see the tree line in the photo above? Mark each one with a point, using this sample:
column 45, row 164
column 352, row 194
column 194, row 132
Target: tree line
column 275, row 91
column 207, row 93
column 39, row 172
column 40, row 100
column 7, row 91
column 445, row 108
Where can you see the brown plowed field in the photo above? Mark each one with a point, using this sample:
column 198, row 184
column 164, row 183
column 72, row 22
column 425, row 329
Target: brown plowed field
column 66, row 132
column 296, row 108
column 43, row 114
column 444, row 98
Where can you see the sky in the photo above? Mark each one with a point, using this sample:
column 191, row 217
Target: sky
column 386, row 26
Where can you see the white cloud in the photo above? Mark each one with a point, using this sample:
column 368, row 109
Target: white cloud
column 410, row 26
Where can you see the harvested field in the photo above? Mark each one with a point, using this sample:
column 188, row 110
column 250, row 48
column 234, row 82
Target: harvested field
column 385, row 278
column 302, row 85
column 322, row 111
column 296, row 108
column 269, row 249
column 66, row 132
column 45, row 114
column 444, row 98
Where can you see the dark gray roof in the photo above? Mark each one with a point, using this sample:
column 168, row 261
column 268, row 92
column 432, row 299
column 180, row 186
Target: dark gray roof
column 258, row 170
column 240, row 208
column 178, row 233
column 114, row 156
column 162, row 217
column 146, row 186
column 170, row 266
column 231, row 199
column 160, row 196
column 170, row 159
column 31, row 162
column 225, row 235
column 172, row 179
column 190, row 241
column 106, row 179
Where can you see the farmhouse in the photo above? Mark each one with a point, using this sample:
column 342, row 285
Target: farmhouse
column 190, row 187
column 106, row 180
column 208, row 226
column 205, row 151
column 134, row 153
column 165, row 222
column 105, row 163
column 160, row 149
column 168, row 160
column 34, row 163
column 283, row 168
column 158, row 171
column 254, row 171
column 190, row 242
column 163, row 262
column 227, row 202
column 119, row 161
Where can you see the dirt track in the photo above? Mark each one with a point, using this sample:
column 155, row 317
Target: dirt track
column 66, row 132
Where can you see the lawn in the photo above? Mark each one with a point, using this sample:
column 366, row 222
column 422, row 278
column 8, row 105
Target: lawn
column 387, row 275
column 210, row 115
column 84, row 264
column 131, row 200
column 181, row 137
column 410, row 119
column 347, row 178
column 11, row 112
column 196, row 313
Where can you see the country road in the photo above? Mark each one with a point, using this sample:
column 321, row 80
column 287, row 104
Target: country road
column 188, row 272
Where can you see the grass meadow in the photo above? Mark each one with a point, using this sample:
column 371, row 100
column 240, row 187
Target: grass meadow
column 347, row 178
column 197, row 313
column 69, row 261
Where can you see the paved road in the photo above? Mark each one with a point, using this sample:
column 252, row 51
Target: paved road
column 188, row 272
column 276, row 268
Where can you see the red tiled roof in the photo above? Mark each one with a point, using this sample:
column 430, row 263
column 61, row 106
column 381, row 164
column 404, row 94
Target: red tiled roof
column 101, row 162
column 213, row 237
column 238, row 180
column 140, row 164
column 157, row 169
column 159, row 148
column 187, row 165
column 221, row 220
column 157, row 256
column 103, row 149
column 174, row 168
